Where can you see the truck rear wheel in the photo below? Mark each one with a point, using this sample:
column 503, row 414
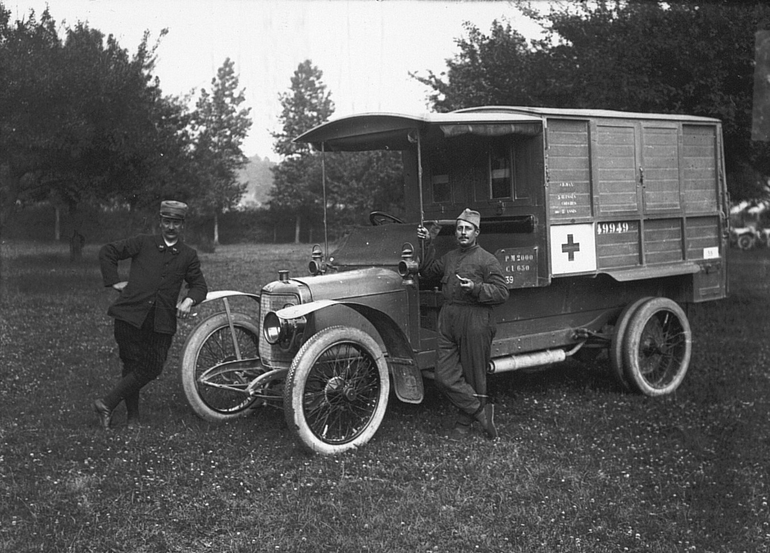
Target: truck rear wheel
column 657, row 347
column 336, row 391
column 618, row 343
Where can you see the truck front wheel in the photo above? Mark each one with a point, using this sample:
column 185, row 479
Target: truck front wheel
column 214, row 378
column 336, row 391
column 657, row 347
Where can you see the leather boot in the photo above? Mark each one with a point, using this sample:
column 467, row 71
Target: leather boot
column 104, row 413
column 486, row 417
column 132, row 410
column 127, row 387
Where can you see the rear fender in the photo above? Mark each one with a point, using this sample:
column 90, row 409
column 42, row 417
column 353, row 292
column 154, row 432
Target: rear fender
column 407, row 378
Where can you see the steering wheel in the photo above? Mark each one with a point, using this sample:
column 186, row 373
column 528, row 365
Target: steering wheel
column 382, row 218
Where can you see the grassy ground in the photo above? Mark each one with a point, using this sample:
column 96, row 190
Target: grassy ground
column 581, row 466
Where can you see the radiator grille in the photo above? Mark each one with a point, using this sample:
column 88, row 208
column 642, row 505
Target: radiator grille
column 274, row 356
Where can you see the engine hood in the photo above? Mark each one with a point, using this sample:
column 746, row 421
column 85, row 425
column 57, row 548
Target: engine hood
column 358, row 283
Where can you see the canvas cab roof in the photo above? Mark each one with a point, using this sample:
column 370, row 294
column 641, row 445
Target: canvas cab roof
column 395, row 131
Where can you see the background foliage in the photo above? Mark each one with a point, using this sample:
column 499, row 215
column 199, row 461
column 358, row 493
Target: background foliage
column 84, row 122
column 689, row 57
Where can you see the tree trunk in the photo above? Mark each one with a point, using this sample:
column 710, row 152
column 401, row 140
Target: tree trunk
column 10, row 184
column 296, row 229
column 77, row 241
column 57, row 223
column 216, row 229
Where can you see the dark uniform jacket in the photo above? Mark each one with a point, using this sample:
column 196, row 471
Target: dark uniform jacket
column 155, row 279
column 474, row 263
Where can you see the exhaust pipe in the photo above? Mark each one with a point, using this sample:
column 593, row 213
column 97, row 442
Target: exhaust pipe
column 526, row 360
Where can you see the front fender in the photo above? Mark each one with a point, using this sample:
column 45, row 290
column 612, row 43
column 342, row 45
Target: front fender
column 407, row 378
column 222, row 294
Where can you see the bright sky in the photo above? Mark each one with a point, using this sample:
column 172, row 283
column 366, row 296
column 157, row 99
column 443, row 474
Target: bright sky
column 365, row 48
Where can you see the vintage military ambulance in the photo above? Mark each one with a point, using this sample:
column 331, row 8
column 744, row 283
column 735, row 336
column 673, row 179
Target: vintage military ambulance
column 606, row 224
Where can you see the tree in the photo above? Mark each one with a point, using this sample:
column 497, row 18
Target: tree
column 29, row 52
column 297, row 183
column 360, row 182
column 81, row 120
column 220, row 125
column 489, row 68
column 691, row 57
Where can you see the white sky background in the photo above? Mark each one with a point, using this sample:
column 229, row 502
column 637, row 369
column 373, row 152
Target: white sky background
column 365, row 48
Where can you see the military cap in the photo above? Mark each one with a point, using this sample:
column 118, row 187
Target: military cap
column 472, row 217
column 173, row 210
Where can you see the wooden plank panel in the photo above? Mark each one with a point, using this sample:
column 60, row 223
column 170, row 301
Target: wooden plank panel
column 664, row 257
column 696, row 150
column 562, row 175
column 663, row 240
column 617, row 152
column 701, row 176
column 700, row 168
column 576, row 137
column 573, row 148
column 700, row 136
column 568, row 163
column 618, row 261
column 661, row 168
column 656, row 232
column 615, row 159
column 569, row 190
column 617, row 244
column 702, row 233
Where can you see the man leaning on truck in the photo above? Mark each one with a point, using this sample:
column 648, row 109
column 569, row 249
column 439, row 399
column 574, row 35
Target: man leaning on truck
column 472, row 284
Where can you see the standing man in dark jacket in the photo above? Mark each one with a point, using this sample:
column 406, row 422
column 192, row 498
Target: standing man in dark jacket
column 146, row 311
column 472, row 283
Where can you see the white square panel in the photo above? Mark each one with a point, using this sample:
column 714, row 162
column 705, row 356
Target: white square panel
column 573, row 249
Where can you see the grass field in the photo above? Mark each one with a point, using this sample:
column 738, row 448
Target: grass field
column 581, row 466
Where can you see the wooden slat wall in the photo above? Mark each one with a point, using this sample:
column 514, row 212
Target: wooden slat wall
column 700, row 168
column 702, row 232
column 663, row 240
column 569, row 169
column 661, row 168
column 616, row 168
column 618, row 249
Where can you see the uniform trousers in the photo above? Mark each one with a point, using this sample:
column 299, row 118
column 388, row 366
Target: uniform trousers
column 464, row 350
column 143, row 353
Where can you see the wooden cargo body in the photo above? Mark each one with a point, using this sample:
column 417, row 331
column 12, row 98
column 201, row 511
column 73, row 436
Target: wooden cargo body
column 589, row 192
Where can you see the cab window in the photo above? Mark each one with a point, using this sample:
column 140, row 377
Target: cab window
column 500, row 170
column 439, row 177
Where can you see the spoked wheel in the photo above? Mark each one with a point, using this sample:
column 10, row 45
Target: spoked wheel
column 336, row 392
column 746, row 241
column 658, row 346
column 218, row 364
